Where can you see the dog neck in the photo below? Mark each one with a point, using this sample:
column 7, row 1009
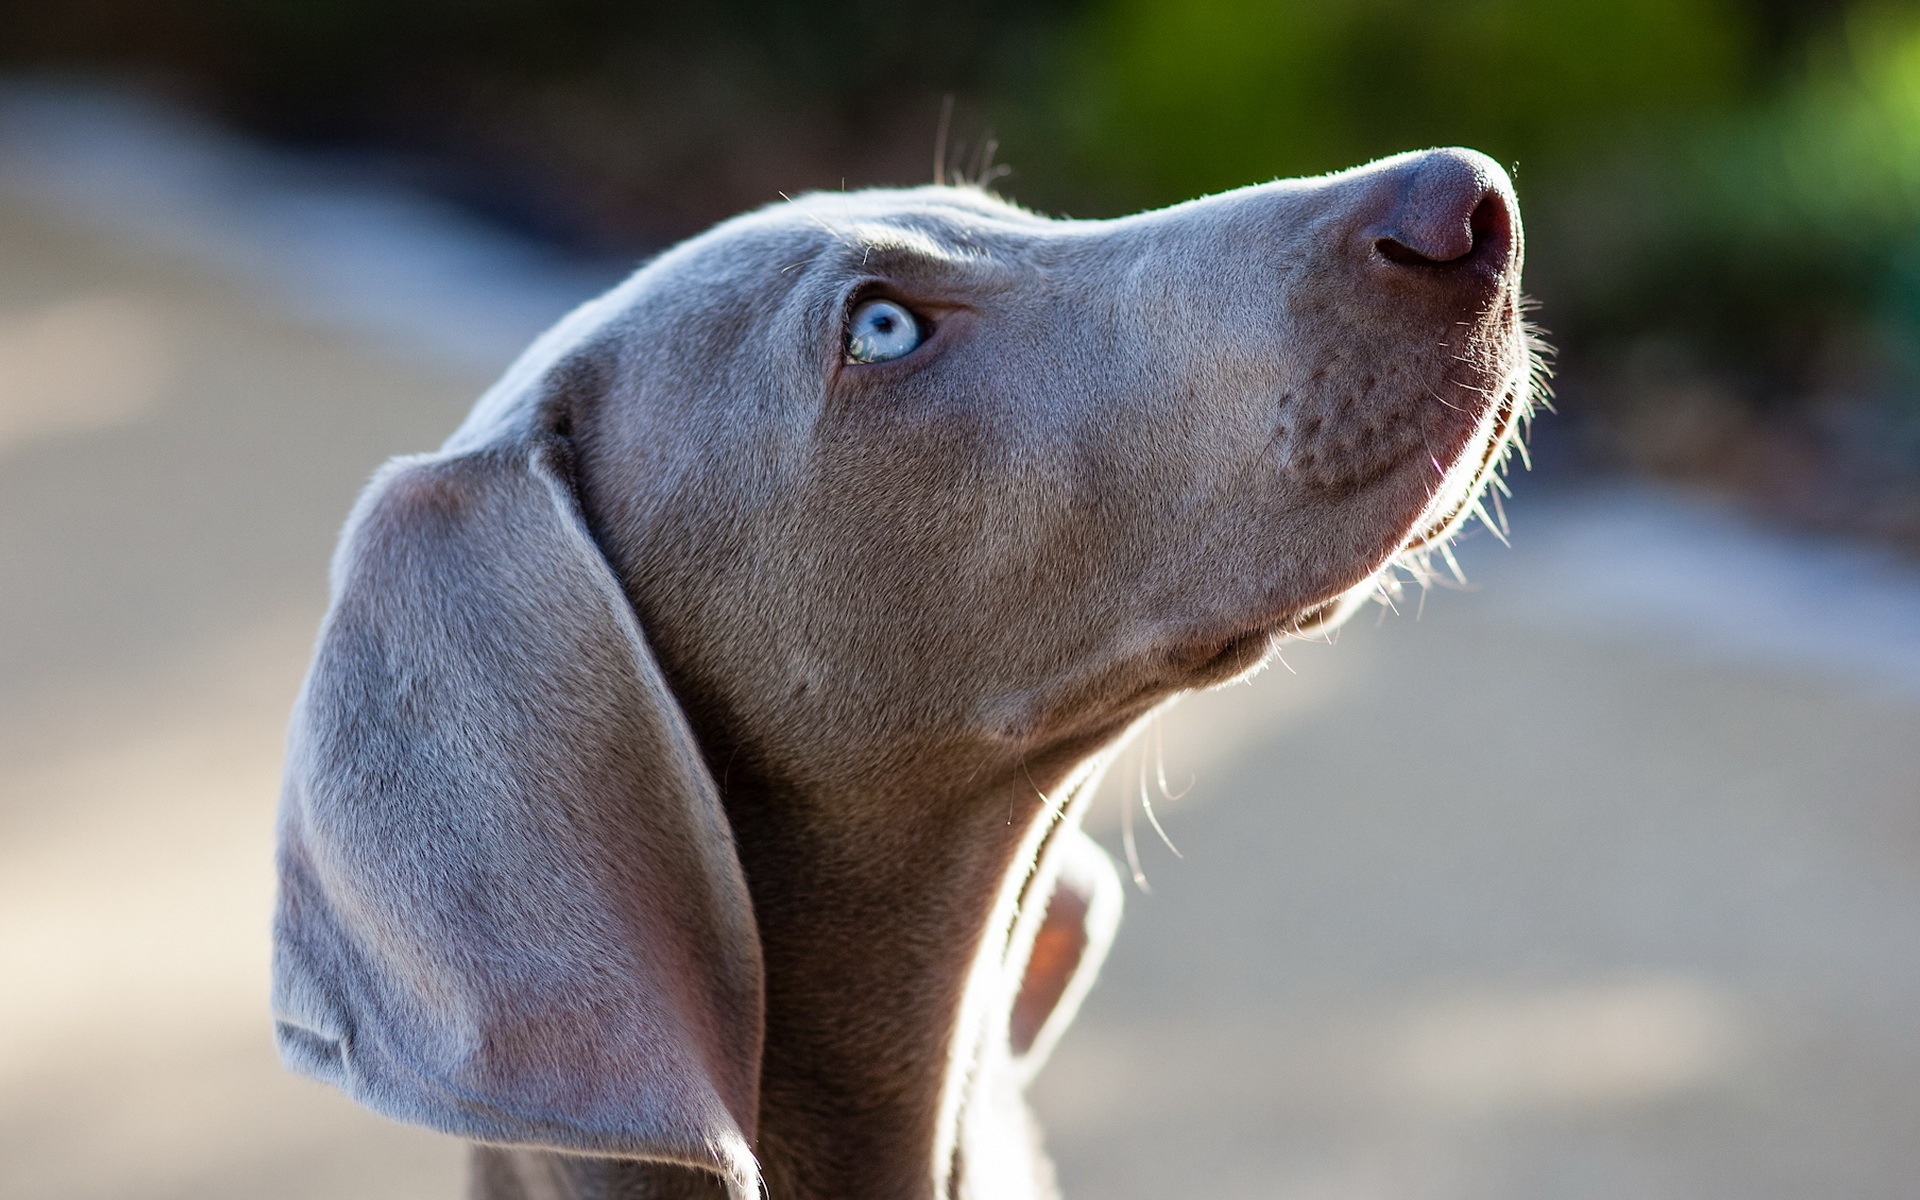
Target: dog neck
column 891, row 971
column 888, row 975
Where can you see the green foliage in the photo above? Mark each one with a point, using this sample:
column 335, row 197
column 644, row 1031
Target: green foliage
column 1776, row 237
column 1162, row 99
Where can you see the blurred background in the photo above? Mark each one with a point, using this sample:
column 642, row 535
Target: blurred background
column 1596, row 877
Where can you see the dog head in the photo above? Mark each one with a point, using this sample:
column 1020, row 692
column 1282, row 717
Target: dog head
column 684, row 732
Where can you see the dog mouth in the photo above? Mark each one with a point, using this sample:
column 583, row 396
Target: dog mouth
column 1474, row 474
column 1468, row 492
column 1504, row 437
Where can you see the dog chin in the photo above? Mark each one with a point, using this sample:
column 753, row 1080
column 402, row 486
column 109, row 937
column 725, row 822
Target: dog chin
column 1235, row 659
column 1210, row 663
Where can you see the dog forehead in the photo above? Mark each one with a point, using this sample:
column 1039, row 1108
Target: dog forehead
column 822, row 237
column 935, row 219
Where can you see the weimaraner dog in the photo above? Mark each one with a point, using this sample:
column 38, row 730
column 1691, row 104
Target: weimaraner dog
column 684, row 799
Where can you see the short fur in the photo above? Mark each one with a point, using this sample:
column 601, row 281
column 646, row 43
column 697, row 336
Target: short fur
column 693, row 755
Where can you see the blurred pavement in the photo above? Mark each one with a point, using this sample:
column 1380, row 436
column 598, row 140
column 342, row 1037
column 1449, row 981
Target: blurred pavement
column 1601, row 879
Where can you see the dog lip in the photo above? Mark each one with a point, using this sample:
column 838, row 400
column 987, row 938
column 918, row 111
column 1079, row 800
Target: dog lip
column 1204, row 660
column 1512, row 411
column 1304, row 620
column 1232, row 650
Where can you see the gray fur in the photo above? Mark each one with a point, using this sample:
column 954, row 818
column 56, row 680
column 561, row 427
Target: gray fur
column 741, row 893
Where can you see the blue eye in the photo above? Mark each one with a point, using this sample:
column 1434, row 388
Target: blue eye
column 881, row 330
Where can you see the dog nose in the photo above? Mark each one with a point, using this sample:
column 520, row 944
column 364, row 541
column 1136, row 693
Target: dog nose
column 1455, row 207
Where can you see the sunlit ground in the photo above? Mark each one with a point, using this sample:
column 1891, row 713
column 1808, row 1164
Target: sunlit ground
column 1602, row 880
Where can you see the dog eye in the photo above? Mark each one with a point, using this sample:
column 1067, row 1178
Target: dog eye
column 881, row 330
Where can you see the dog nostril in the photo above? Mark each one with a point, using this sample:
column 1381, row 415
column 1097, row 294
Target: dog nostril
column 1491, row 220
column 1441, row 208
column 1396, row 251
column 1488, row 223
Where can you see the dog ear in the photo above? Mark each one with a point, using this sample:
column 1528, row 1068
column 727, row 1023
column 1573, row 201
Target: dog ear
column 510, row 905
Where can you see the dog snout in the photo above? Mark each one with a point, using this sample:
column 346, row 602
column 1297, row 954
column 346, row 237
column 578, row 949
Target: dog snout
column 1453, row 209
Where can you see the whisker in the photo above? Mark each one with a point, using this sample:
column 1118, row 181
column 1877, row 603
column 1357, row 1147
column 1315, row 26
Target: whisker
column 940, row 141
column 1126, row 835
column 815, row 218
column 1053, row 808
column 1160, row 763
column 1443, row 401
column 1146, row 806
column 1498, row 530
